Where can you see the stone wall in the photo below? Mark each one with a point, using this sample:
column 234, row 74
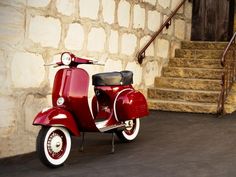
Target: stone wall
column 35, row 32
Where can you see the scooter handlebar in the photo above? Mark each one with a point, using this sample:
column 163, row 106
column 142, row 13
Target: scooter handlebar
column 72, row 61
column 87, row 61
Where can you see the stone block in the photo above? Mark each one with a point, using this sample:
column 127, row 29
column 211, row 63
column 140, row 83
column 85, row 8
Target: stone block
column 184, row 95
column 139, row 17
column 200, row 54
column 175, row 3
column 150, row 49
column 193, row 63
column 45, row 30
column 180, row 28
column 163, row 47
column 174, row 45
column 137, row 71
column 152, row 2
column 188, row 10
column 151, row 71
column 128, row 44
column 188, row 31
column 177, row 106
column 66, row 7
column 96, row 40
column 27, row 70
column 37, row 3
column 154, row 20
column 75, row 37
column 230, row 104
column 170, row 30
column 164, row 3
column 108, row 11
column 113, row 65
column 89, row 9
column 11, row 25
column 3, row 70
column 113, row 42
column 15, row 3
column 123, row 13
column 188, row 84
column 33, row 105
column 7, row 111
column 192, row 73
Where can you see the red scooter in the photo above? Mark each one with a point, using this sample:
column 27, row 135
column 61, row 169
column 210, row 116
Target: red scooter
column 115, row 108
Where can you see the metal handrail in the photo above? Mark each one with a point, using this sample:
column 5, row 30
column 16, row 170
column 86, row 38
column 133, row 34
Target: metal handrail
column 228, row 62
column 166, row 24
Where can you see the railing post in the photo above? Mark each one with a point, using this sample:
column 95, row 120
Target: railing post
column 234, row 60
column 223, row 94
column 229, row 73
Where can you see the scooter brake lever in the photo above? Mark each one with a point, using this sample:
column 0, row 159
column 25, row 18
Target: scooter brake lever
column 96, row 63
column 99, row 64
column 50, row 64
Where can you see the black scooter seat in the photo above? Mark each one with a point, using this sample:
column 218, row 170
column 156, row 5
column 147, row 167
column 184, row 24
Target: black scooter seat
column 113, row 78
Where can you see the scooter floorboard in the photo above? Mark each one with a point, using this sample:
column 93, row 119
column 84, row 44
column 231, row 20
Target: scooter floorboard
column 106, row 129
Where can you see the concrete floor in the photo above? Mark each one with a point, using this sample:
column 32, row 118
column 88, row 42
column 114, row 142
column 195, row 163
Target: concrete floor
column 169, row 145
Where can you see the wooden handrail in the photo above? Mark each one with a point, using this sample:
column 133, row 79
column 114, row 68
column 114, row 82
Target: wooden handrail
column 166, row 24
column 226, row 50
column 229, row 74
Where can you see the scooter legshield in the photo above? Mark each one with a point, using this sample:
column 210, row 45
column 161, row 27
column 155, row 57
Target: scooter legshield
column 57, row 117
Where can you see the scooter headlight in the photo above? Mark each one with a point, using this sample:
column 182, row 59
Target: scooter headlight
column 66, row 59
column 60, row 101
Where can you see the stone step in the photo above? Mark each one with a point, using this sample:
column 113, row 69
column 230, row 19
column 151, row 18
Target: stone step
column 195, row 63
column 199, row 45
column 184, row 95
column 189, row 84
column 182, row 106
column 196, row 73
column 198, row 54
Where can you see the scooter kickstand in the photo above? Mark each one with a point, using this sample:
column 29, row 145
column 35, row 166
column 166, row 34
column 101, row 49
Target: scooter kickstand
column 113, row 143
column 81, row 149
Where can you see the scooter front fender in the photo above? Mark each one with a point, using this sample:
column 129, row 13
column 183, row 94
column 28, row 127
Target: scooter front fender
column 57, row 117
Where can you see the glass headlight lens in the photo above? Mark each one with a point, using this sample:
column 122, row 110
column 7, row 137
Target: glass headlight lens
column 66, row 59
column 60, row 101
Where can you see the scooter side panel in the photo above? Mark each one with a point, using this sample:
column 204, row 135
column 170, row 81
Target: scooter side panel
column 131, row 104
column 57, row 117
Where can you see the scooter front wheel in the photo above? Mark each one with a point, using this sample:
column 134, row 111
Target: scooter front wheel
column 131, row 130
column 53, row 146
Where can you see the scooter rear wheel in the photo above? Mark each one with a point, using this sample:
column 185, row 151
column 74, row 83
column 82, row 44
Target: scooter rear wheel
column 131, row 130
column 53, row 146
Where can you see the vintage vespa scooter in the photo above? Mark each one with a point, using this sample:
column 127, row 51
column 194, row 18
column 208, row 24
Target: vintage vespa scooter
column 115, row 108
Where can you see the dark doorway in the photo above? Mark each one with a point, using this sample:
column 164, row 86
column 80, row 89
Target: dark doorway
column 212, row 20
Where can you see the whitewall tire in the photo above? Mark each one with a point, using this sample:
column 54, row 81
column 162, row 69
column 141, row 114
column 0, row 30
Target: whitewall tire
column 131, row 130
column 53, row 146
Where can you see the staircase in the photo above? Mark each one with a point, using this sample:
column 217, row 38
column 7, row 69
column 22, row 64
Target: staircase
column 192, row 80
